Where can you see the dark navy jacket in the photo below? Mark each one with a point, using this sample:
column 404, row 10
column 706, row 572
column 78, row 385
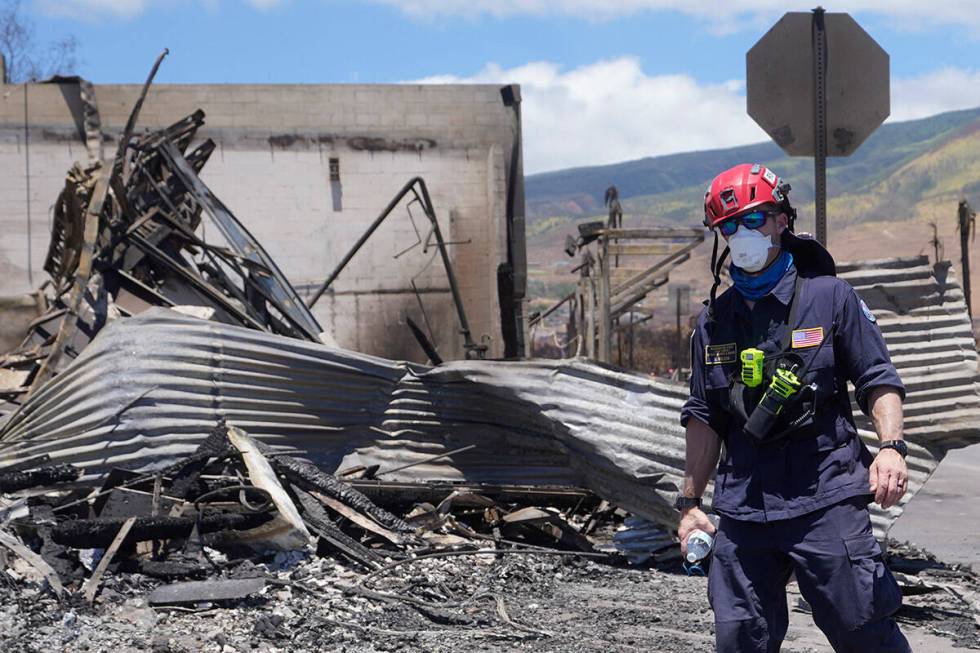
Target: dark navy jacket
column 824, row 463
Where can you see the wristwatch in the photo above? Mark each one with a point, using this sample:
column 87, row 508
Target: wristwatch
column 683, row 503
column 898, row 445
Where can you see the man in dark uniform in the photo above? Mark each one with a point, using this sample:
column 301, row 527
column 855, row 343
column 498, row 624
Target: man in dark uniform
column 794, row 480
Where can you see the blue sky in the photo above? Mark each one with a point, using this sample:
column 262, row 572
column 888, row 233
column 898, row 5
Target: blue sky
column 604, row 80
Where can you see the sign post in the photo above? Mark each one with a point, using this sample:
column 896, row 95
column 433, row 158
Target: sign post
column 822, row 100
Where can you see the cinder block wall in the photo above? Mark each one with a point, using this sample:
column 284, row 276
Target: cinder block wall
column 272, row 169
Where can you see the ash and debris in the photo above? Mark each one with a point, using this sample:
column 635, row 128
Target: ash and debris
column 238, row 548
column 482, row 602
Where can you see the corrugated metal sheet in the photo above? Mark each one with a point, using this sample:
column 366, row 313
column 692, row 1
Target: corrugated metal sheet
column 150, row 388
column 922, row 314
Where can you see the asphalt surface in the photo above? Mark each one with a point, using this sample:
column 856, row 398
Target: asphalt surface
column 944, row 517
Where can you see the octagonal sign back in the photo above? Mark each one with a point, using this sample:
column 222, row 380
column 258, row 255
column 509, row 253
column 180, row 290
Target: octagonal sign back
column 780, row 88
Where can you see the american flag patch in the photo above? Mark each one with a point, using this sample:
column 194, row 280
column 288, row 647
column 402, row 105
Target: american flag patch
column 807, row 337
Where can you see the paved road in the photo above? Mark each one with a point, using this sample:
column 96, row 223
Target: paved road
column 944, row 517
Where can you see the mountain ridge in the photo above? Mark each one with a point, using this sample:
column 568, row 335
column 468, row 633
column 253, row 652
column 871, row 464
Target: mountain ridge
column 579, row 191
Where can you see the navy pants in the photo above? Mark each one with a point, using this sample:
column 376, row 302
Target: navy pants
column 838, row 567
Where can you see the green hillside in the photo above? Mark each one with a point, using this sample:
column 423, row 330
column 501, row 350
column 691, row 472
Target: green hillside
column 884, row 178
column 883, row 200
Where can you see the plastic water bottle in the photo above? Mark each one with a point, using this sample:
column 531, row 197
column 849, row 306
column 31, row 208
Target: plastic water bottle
column 698, row 546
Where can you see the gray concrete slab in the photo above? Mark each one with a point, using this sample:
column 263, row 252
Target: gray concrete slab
column 944, row 517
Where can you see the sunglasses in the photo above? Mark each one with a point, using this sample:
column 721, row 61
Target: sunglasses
column 752, row 220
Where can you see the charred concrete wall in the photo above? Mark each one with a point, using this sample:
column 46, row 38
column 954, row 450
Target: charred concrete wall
column 306, row 169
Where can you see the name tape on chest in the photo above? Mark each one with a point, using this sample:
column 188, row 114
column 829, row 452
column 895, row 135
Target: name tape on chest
column 803, row 338
column 720, row 354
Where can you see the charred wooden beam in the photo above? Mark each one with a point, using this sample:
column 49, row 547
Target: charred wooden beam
column 316, row 517
column 91, row 533
column 399, row 494
column 310, row 477
column 27, row 463
column 13, row 481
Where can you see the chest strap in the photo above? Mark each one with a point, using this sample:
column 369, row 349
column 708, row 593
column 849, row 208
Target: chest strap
column 794, row 311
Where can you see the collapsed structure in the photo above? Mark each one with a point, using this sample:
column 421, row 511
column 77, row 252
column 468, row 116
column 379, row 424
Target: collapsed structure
column 171, row 370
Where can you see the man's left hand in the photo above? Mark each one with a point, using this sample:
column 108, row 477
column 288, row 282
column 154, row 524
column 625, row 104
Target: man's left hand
column 889, row 477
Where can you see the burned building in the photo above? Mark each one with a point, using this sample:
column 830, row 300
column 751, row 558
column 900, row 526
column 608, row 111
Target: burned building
column 307, row 168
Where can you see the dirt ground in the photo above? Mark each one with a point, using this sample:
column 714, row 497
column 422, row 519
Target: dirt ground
column 545, row 603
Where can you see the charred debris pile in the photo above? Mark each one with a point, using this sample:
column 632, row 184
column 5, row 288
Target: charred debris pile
column 174, row 432
column 201, row 524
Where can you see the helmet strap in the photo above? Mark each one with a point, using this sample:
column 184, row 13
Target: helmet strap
column 716, row 265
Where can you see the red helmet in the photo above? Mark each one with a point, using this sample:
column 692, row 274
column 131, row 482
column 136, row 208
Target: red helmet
column 741, row 189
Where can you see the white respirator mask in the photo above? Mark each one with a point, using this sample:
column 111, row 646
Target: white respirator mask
column 749, row 248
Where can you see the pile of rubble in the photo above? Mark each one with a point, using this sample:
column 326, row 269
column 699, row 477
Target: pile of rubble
column 175, row 437
column 236, row 523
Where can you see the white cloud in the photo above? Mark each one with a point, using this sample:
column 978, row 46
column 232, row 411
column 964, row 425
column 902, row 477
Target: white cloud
column 612, row 111
column 727, row 15
column 946, row 89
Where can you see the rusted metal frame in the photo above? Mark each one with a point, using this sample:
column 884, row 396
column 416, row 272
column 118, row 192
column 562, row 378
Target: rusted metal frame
column 181, row 133
column 219, row 256
column 284, row 297
column 554, row 307
column 136, row 287
column 119, row 164
column 642, row 277
column 228, row 256
column 425, row 201
column 67, row 232
column 83, row 272
column 648, row 233
column 623, row 305
column 470, row 347
column 668, row 232
column 424, row 342
column 395, row 201
column 199, row 284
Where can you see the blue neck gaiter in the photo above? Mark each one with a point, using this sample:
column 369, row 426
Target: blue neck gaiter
column 755, row 288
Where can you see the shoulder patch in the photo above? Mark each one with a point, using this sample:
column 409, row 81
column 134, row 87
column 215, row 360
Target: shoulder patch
column 807, row 337
column 867, row 312
column 720, row 354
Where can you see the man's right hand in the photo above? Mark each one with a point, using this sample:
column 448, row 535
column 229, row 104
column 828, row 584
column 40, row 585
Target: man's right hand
column 693, row 519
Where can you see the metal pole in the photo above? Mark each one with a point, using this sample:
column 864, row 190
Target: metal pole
column 820, row 123
column 27, row 186
column 605, row 320
column 632, row 341
column 470, row 347
column 679, row 344
column 967, row 224
column 360, row 241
